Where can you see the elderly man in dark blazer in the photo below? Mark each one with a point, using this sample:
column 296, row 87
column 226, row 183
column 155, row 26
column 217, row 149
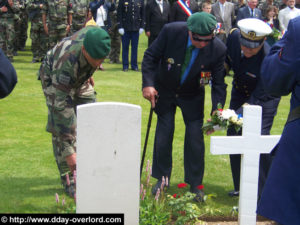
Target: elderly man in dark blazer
column 176, row 67
column 249, row 11
column 157, row 15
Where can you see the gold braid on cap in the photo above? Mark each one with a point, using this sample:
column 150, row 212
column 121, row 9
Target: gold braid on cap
column 252, row 36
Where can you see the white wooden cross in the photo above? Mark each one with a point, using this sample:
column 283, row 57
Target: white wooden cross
column 108, row 159
column 250, row 145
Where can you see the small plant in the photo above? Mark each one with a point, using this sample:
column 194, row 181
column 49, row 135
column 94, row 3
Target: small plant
column 182, row 208
column 64, row 207
column 153, row 210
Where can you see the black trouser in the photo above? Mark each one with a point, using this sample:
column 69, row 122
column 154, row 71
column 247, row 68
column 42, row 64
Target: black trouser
column 269, row 109
column 192, row 112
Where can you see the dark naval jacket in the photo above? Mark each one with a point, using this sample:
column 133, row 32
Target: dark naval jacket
column 131, row 15
column 162, row 62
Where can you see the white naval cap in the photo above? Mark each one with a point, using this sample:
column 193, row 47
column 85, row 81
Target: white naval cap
column 253, row 32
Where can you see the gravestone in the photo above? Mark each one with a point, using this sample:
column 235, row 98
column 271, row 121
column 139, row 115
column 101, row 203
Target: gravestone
column 250, row 145
column 108, row 155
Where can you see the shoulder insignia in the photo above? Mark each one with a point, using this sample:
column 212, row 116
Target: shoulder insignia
column 233, row 29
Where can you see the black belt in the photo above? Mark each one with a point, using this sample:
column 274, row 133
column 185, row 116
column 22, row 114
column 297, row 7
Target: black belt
column 294, row 115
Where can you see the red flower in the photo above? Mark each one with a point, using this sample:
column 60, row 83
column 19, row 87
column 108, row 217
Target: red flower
column 176, row 196
column 220, row 110
column 181, row 185
column 200, row 187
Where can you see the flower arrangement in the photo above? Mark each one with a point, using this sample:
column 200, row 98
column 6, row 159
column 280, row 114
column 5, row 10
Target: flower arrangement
column 222, row 119
column 276, row 34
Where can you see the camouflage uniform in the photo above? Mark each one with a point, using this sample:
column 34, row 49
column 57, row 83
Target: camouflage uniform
column 80, row 11
column 64, row 73
column 59, row 13
column 7, row 30
column 39, row 39
column 21, row 26
column 114, row 55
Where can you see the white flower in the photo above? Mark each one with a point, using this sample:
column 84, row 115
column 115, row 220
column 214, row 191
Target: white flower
column 233, row 119
column 226, row 114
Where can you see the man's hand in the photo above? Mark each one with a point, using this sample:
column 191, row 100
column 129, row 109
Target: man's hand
column 121, row 31
column 148, row 34
column 209, row 132
column 71, row 161
column 68, row 28
column 150, row 93
column 91, row 81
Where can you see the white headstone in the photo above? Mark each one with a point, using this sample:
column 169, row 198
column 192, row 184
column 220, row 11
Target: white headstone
column 251, row 144
column 108, row 157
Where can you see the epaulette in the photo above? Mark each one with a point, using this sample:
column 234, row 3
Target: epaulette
column 233, row 29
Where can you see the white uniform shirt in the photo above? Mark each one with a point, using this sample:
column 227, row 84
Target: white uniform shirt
column 285, row 15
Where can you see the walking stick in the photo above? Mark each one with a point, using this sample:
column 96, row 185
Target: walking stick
column 146, row 140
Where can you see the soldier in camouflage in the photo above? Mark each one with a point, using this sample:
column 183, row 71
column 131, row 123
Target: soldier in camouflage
column 39, row 39
column 64, row 70
column 21, row 26
column 7, row 32
column 80, row 11
column 114, row 55
column 59, row 13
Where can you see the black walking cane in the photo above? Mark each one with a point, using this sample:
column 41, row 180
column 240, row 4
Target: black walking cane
column 146, row 139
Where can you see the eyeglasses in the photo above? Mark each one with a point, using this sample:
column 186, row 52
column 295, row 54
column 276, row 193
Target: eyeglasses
column 196, row 38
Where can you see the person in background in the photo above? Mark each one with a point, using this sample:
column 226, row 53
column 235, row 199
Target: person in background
column 206, row 7
column 246, row 49
column 114, row 55
column 65, row 76
column 249, row 11
column 224, row 13
column 286, row 14
column 100, row 10
column 80, row 12
column 280, row 200
column 273, row 22
column 180, row 62
column 131, row 23
column 157, row 15
column 179, row 10
column 39, row 39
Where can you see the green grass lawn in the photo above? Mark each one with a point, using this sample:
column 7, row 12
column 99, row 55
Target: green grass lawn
column 28, row 173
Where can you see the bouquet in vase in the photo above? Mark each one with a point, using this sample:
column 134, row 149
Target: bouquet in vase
column 222, row 119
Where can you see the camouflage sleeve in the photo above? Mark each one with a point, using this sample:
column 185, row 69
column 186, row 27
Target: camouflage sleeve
column 31, row 5
column 45, row 7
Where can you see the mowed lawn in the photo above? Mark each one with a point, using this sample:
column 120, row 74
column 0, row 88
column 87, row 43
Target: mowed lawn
column 29, row 177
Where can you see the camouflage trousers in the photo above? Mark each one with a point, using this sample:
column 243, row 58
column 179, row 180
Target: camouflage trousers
column 7, row 34
column 85, row 94
column 21, row 26
column 115, row 47
column 57, row 32
column 39, row 40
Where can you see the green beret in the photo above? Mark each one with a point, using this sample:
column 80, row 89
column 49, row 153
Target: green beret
column 202, row 23
column 97, row 43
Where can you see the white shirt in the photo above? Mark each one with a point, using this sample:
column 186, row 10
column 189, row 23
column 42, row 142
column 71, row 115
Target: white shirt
column 285, row 15
column 160, row 4
column 222, row 8
column 101, row 16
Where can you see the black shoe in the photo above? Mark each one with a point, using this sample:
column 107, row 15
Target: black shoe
column 125, row 70
column 199, row 194
column 136, row 69
column 70, row 190
column 15, row 53
column 34, row 60
column 233, row 193
column 156, row 187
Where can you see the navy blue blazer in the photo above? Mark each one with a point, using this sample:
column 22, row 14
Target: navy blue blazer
column 162, row 62
column 280, row 75
column 244, row 13
column 8, row 76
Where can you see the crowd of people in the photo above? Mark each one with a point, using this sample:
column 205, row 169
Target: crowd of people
column 72, row 38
